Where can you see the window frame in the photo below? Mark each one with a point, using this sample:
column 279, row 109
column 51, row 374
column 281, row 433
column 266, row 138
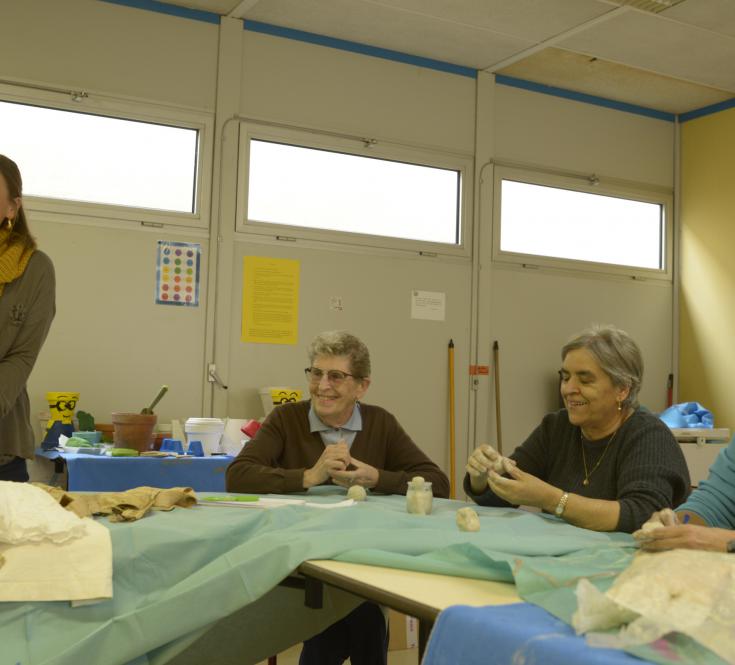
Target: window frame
column 606, row 187
column 462, row 162
column 121, row 109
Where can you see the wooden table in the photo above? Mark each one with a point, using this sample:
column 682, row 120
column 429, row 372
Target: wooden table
column 421, row 595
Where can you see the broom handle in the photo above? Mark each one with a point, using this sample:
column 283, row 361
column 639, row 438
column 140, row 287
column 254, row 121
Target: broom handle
column 451, row 420
column 496, row 363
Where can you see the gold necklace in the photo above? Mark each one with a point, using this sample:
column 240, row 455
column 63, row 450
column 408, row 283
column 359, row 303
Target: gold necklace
column 587, row 475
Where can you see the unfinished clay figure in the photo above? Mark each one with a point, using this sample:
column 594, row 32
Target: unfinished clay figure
column 418, row 496
column 468, row 520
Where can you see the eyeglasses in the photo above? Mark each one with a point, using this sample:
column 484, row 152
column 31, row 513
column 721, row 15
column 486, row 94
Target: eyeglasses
column 64, row 406
column 334, row 376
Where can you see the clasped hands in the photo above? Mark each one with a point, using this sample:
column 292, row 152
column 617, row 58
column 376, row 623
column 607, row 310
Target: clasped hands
column 488, row 468
column 337, row 463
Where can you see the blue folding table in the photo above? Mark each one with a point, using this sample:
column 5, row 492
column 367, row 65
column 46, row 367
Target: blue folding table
column 100, row 473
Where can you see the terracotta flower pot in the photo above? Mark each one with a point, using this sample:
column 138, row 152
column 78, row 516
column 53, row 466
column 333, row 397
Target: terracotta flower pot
column 133, row 430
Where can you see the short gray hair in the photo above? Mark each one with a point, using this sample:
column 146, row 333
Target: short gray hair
column 342, row 343
column 617, row 354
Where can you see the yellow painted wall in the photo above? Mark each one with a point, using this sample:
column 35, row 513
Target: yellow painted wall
column 707, row 296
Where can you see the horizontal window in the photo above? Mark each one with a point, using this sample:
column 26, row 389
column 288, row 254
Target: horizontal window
column 572, row 223
column 338, row 191
column 91, row 158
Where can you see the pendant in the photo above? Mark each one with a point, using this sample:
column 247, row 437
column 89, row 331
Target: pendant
column 586, row 482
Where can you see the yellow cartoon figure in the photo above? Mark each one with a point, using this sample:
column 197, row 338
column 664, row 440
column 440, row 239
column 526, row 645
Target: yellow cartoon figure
column 280, row 396
column 61, row 406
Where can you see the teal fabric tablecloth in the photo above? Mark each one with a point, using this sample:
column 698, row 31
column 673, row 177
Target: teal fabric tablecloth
column 177, row 573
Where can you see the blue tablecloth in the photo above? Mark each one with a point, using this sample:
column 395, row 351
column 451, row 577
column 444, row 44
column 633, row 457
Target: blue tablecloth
column 520, row 633
column 99, row 473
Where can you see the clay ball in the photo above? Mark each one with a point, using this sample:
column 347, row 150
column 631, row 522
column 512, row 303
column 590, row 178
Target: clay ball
column 357, row 493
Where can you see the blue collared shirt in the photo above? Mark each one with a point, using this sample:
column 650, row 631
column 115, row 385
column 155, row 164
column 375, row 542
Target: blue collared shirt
column 330, row 434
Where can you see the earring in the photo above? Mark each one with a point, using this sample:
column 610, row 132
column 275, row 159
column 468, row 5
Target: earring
column 10, row 223
column 620, row 405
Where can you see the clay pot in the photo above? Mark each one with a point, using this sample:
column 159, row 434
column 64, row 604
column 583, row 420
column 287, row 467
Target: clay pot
column 133, row 430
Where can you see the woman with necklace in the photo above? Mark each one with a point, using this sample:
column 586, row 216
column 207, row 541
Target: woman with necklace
column 601, row 463
column 27, row 307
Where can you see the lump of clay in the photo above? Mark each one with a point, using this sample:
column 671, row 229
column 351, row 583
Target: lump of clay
column 468, row 520
column 357, row 493
column 646, row 528
column 651, row 526
column 417, row 482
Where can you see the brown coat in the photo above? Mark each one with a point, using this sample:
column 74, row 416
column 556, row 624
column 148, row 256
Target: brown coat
column 275, row 460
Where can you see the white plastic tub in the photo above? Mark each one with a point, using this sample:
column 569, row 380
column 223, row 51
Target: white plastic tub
column 207, row 430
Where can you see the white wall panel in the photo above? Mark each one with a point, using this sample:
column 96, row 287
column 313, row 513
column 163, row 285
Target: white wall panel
column 121, row 51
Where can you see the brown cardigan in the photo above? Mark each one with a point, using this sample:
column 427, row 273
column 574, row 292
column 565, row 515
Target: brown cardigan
column 275, row 460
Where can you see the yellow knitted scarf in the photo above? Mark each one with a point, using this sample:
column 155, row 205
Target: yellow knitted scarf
column 14, row 258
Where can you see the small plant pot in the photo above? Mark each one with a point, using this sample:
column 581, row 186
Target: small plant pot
column 133, row 430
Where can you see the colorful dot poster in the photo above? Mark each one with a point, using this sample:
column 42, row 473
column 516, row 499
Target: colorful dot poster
column 177, row 273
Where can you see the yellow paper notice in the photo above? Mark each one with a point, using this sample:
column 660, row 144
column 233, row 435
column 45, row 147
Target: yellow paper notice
column 270, row 300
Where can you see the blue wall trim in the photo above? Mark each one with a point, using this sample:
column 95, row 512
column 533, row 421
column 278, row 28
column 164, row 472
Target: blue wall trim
column 582, row 97
column 172, row 10
column 356, row 47
column 429, row 63
column 707, row 110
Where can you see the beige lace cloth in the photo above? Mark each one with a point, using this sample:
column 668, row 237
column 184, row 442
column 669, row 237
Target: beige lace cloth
column 687, row 591
column 122, row 506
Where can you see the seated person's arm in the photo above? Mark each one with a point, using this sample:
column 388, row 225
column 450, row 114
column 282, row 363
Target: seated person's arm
column 521, row 488
column 641, row 485
column 258, row 469
column 706, row 520
column 668, row 530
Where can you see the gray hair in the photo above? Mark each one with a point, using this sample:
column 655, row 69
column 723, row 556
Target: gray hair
column 617, row 354
column 342, row 343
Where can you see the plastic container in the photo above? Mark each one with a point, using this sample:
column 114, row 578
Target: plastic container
column 272, row 396
column 133, row 430
column 171, row 446
column 208, row 431
column 195, row 449
column 89, row 437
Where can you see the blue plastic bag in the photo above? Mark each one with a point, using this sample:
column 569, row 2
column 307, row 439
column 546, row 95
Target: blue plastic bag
column 688, row 414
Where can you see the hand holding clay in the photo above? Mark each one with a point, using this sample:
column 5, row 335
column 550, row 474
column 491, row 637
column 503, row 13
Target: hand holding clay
column 483, row 460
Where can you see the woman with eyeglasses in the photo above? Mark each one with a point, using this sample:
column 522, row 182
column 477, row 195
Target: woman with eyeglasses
column 334, row 438
column 27, row 307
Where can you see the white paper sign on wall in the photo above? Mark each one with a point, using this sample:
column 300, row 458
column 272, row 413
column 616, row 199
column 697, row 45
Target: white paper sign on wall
column 429, row 305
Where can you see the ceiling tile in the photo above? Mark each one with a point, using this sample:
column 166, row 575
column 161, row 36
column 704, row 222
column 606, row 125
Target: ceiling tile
column 381, row 26
column 654, row 43
column 533, row 20
column 715, row 15
column 610, row 80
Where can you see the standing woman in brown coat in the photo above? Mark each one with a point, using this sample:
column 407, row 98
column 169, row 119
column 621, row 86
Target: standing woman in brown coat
column 27, row 307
